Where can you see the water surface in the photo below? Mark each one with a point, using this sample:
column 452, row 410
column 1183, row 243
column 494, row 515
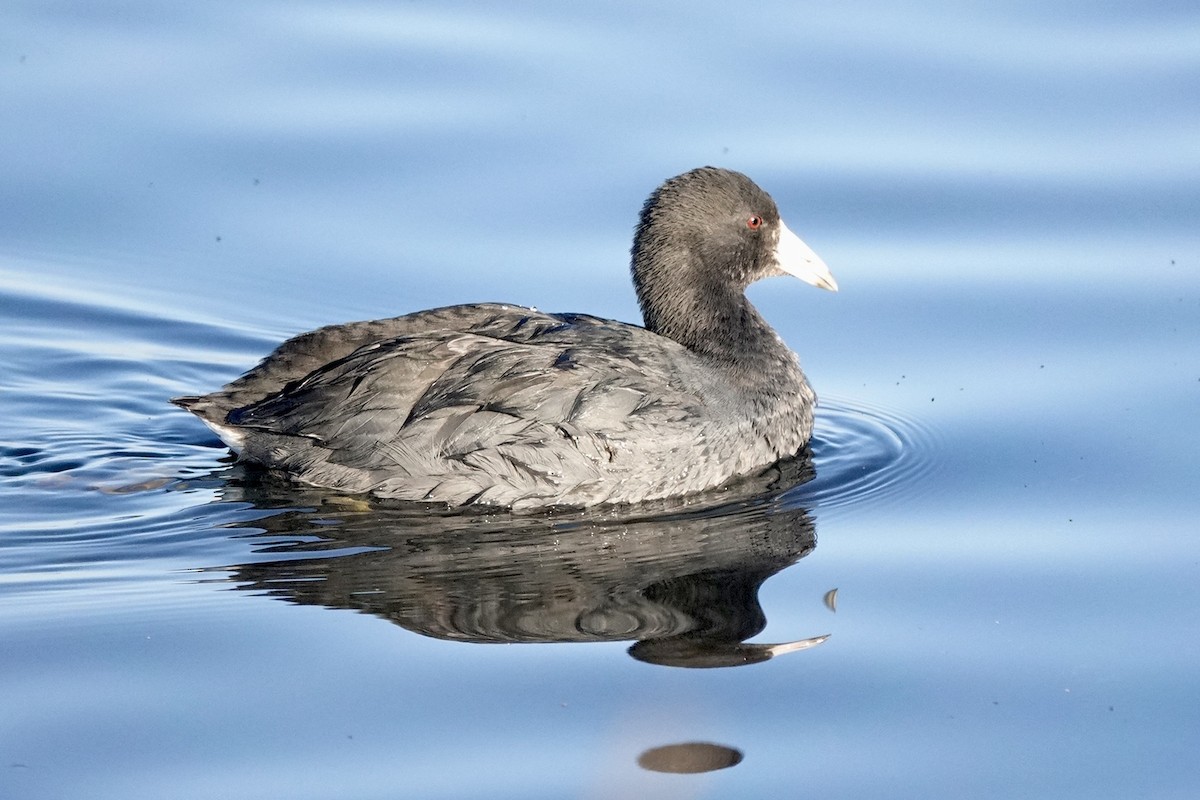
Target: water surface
column 1002, row 488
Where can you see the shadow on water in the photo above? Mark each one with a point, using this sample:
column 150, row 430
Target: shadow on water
column 680, row 582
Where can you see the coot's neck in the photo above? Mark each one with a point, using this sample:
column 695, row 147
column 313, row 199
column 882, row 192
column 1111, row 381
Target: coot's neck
column 716, row 321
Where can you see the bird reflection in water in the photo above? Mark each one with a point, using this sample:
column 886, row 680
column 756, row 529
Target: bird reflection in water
column 680, row 581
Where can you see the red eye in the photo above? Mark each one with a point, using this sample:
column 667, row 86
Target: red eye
column 754, row 223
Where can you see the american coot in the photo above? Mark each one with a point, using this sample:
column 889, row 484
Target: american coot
column 501, row 405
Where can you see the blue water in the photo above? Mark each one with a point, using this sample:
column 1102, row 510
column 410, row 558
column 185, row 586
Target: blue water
column 1004, row 496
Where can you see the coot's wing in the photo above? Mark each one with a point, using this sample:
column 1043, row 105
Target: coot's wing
column 307, row 352
column 465, row 417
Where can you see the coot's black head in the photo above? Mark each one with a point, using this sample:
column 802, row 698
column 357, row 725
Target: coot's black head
column 703, row 237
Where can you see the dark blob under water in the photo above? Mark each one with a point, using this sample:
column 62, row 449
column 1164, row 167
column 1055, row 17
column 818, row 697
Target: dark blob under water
column 507, row 406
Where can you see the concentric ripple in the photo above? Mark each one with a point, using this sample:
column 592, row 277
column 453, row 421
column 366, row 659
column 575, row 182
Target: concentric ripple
column 863, row 452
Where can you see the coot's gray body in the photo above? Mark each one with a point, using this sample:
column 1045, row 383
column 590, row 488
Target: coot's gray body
column 507, row 406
